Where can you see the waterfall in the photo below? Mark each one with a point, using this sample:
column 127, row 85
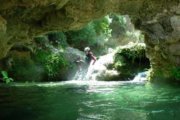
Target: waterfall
column 101, row 71
column 140, row 77
column 98, row 69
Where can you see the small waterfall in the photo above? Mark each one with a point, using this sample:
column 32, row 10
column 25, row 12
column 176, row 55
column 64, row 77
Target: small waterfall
column 80, row 75
column 140, row 77
column 98, row 69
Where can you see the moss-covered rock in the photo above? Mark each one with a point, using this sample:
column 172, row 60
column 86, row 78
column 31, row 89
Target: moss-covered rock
column 20, row 20
column 131, row 60
column 122, row 64
column 24, row 19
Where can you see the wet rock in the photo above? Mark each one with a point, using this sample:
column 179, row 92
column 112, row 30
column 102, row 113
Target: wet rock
column 22, row 20
column 174, row 49
column 175, row 22
column 130, row 60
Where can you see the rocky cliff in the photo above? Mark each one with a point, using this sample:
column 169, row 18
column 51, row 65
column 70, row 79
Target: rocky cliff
column 20, row 20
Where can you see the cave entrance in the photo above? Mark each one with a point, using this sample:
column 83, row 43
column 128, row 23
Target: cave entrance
column 113, row 33
column 52, row 55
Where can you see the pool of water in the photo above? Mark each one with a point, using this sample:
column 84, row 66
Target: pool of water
column 89, row 100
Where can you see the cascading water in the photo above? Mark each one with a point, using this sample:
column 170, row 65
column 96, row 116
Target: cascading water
column 140, row 77
column 98, row 69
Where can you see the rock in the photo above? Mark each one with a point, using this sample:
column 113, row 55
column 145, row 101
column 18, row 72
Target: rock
column 120, row 65
column 175, row 59
column 130, row 60
column 175, row 22
column 2, row 25
column 21, row 20
column 174, row 49
column 26, row 19
column 72, row 54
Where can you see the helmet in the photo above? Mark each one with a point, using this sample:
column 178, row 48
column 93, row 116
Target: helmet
column 86, row 49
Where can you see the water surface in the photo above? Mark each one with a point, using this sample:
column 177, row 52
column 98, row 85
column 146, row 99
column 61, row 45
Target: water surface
column 89, row 100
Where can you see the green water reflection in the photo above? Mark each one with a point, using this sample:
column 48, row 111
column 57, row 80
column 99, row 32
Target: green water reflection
column 89, row 101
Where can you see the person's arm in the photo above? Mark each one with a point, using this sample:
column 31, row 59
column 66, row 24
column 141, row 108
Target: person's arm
column 93, row 58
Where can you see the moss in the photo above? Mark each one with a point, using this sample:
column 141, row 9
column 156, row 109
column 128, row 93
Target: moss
column 25, row 70
column 175, row 71
column 21, row 20
column 131, row 60
column 56, row 66
column 169, row 74
column 57, row 38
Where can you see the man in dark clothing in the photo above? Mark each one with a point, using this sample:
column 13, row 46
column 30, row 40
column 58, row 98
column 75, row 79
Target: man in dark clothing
column 89, row 56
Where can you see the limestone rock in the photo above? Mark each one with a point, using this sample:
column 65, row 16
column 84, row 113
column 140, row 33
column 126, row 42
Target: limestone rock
column 2, row 25
column 174, row 49
column 175, row 22
column 20, row 20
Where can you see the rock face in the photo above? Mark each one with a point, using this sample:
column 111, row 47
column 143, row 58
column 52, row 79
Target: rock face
column 130, row 60
column 20, row 20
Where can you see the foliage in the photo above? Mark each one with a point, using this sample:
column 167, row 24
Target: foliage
column 93, row 34
column 86, row 36
column 40, row 56
column 57, row 38
column 55, row 64
column 168, row 74
column 119, row 61
column 101, row 26
column 123, row 30
column 5, row 77
column 118, row 25
column 134, row 53
column 40, row 39
column 176, row 72
column 25, row 69
column 50, row 55
column 130, row 60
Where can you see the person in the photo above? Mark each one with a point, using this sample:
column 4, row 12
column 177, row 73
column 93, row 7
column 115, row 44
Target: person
column 89, row 56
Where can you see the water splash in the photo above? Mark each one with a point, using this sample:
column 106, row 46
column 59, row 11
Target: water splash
column 140, row 77
column 98, row 69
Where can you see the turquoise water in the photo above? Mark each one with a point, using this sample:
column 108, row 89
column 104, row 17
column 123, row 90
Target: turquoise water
column 83, row 100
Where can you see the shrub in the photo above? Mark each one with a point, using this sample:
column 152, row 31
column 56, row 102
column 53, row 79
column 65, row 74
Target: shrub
column 57, row 38
column 176, row 73
column 55, row 63
column 5, row 77
column 94, row 34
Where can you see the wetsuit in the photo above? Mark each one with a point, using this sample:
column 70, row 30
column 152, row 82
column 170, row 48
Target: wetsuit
column 88, row 57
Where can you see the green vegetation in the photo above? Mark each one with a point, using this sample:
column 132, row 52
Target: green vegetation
column 136, row 52
column 131, row 60
column 176, row 73
column 25, row 69
column 170, row 74
column 47, row 57
column 94, row 34
column 55, row 64
column 119, row 21
column 5, row 77
column 57, row 39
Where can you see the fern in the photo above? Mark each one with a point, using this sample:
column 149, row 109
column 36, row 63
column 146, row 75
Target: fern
column 5, row 77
